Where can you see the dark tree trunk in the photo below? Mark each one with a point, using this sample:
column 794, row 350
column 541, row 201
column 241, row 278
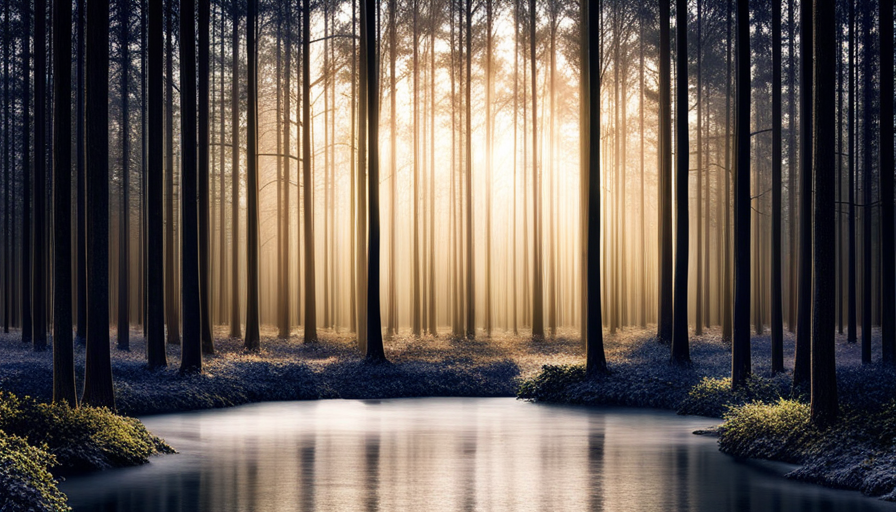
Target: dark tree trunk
column 205, row 320
column 125, row 207
column 235, row 176
column 26, row 178
column 63, row 353
column 155, row 291
column 595, row 361
column 801, row 365
column 791, row 172
column 740, row 347
column 392, row 326
column 191, row 349
column 283, row 285
column 664, row 327
column 39, row 240
column 777, row 155
column 98, row 391
column 252, row 336
column 867, row 179
column 172, row 313
column 537, row 291
column 726, row 289
column 886, row 169
column 307, row 182
column 362, row 232
column 851, row 334
column 374, row 351
column 415, row 192
column 824, row 373
column 701, row 172
column 680, row 351
column 471, row 268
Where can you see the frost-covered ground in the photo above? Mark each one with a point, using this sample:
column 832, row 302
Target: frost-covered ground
column 441, row 366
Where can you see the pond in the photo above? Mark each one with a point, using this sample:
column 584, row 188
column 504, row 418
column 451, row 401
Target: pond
column 446, row 454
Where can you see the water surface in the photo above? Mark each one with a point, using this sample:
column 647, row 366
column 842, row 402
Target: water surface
column 446, row 454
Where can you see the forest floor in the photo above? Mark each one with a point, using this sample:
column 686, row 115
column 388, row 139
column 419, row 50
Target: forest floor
column 507, row 365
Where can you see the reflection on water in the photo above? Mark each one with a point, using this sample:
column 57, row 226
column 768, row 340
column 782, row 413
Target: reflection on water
column 439, row 454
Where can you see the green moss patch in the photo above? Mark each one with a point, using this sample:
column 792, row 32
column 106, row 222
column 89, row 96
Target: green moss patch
column 81, row 439
column 25, row 479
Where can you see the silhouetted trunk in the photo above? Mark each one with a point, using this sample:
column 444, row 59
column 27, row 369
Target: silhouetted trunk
column 680, row 349
column 595, row 361
column 701, row 172
column 283, row 224
column 867, row 179
column 39, row 254
column 886, row 169
column 726, row 288
column 392, row 326
column 172, row 313
column 63, row 353
column 26, row 180
column 824, row 373
column 191, row 350
column 155, row 291
column 851, row 334
column 468, row 147
column 791, row 172
column 489, row 145
column 740, row 348
column 7, row 175
column 98, row 391
column 307, row 184
column 251, row 341
column 124, row 204
column 777, row 155
column 415, row 192
column 664, row 320
column 801, row 365
column 374, row 344
column 362, row 233
column 235, row 176
column 537, row 292
column 205, row 301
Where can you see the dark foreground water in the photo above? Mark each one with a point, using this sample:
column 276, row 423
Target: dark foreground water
column 446, row 454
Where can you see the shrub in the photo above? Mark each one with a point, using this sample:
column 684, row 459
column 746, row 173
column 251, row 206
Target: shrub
column 80, row 439
column 552, row 383
column 777, row 431
column 714, row 397
column 25, row 479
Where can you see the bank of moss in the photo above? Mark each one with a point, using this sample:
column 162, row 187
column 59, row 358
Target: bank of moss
column 25, row 479
column 79, row 439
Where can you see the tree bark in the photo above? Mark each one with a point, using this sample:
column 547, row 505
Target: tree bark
column 777, row 324
column 680, row 348
column 204, row 205
column 664, row 327
column 307, row 182
column 251, row 341
column 740, row 348
column 886, row 169
column 98, row 391
column 39, row 240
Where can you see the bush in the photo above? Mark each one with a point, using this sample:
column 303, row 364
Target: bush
column 25, row 479
column 552, row 383
column 714, row 397
column 81, row 439
column 777, row 431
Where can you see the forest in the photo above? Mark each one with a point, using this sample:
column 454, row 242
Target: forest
column 196, row 181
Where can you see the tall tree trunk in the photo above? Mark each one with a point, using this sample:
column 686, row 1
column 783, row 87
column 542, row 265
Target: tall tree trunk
column 777, row 155
column 595, row 361
column 431, row 315
column 307, row 182
column 374, row 345
column 701, row 171
column 251, row 341
column 489, row 145
column 283, row 224
column 537, row 292
column 886, row 169
column 155, row 291
column 204, row 205
column 235, row 176
column 98, row 391
column 7, row 175
column 125, row 207
column 851, row 335
column 801, row 365
column 664, row 327
column 642, row 232
column 792, row 171
column 362, row 232
column 824, row 373
column 680, row 349
column 415, row 192
column 222, row 278
column 63, row 353
column 26, row 177
column 39, row 268
column 740, row 348
column 172, row 312
column 392, row 326
column 867, row 180
column 191, row 349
